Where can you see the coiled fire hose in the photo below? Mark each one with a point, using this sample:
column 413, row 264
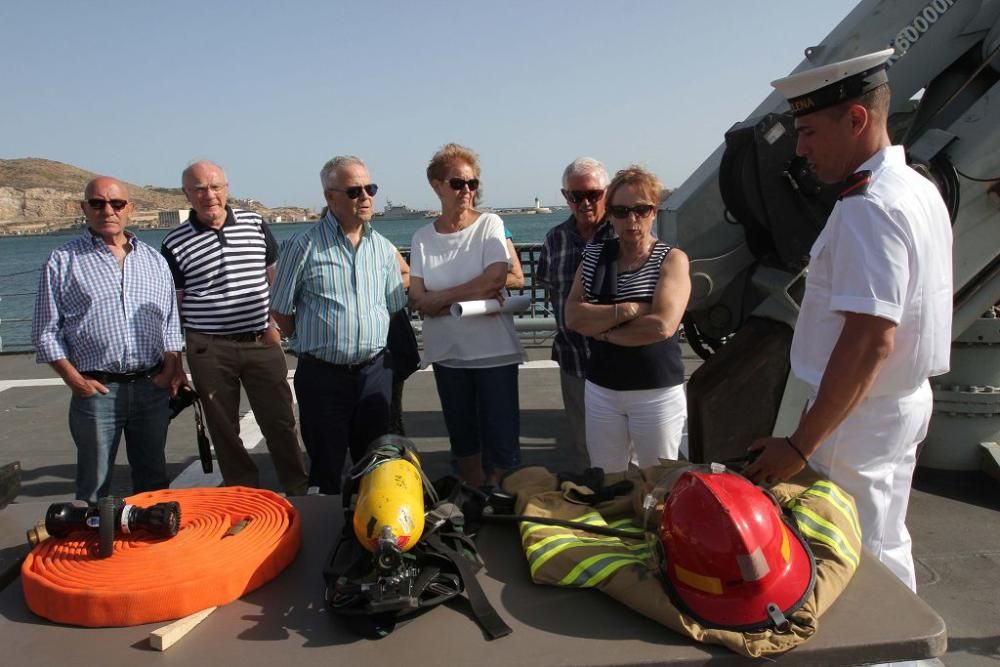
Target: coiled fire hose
column 232, row 540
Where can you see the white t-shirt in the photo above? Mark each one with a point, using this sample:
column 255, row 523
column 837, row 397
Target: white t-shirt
column 887, row 253
column 447, row 260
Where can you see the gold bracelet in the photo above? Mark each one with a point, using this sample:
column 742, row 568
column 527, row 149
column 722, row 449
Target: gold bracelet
column 616, row 314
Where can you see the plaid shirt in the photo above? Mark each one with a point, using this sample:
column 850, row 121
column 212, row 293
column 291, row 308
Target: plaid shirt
column 102, row 316
column 557, row 264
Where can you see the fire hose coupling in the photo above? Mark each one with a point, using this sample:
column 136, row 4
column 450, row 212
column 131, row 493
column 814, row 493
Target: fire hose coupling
column 109, row 517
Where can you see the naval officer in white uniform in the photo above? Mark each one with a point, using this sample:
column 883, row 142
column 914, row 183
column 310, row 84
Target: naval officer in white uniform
column 875, row 321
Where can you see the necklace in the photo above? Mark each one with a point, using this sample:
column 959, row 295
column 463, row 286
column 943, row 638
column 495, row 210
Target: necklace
column 633, row 264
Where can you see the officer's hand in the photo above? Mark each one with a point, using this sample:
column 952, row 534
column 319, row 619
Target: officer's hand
column 776, row 462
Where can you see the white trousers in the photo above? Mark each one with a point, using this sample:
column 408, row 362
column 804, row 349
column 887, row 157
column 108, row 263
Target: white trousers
column 639, row 427
column 872, row 456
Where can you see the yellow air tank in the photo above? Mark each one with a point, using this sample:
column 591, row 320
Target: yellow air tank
column 390, row 496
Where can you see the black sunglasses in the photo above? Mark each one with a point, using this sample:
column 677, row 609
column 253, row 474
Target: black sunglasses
column 458, row 183
column 354, row 191
column 622, row 212
column 577, row 196
column 98, row 204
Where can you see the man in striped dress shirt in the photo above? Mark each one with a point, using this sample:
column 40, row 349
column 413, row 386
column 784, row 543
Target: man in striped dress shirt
column 106, row 321
column 337, row 285
column 223, row 262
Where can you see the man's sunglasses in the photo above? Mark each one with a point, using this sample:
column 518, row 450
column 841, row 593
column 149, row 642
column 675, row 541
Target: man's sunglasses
column 98, row 204
column 354, row 191
column 622, row 212
column 577, row 196
column 458, row 183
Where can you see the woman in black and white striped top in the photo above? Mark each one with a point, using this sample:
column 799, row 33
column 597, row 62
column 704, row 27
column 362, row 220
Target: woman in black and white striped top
column 628, row 297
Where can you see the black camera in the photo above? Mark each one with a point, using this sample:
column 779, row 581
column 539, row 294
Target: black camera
column 185, row 398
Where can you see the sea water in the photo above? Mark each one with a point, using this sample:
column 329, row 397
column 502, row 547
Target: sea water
column 21, row 257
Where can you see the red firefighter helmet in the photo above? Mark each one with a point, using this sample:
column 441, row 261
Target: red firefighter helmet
column 732, row 560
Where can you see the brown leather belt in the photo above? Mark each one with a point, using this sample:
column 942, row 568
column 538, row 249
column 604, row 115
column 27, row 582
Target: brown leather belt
column 245, row 337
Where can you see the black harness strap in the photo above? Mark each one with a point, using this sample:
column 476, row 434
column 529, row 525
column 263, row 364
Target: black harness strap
column 487, row 617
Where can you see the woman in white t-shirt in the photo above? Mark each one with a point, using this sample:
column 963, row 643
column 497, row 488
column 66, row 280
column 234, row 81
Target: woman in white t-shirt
column 463, row 256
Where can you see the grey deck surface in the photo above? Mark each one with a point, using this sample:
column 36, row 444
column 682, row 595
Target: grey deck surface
column 286, row 621
column 954, row 520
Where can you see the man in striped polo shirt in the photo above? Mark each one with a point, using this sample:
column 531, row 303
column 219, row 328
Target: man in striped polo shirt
column 336, row 287
column 223, row 262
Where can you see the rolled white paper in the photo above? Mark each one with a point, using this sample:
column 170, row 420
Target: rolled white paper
column 512, row 304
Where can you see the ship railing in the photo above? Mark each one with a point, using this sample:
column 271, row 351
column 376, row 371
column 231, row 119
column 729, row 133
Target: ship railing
column 535, row 326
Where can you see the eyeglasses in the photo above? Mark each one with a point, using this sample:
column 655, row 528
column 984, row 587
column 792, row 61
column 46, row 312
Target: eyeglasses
column 641, row 211
column 354, row 191
column 202, row 190
column 98, row 204
column 458, row 183
column 577, row 196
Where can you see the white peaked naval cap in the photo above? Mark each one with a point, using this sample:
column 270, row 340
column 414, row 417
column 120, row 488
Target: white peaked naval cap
column 828, row 85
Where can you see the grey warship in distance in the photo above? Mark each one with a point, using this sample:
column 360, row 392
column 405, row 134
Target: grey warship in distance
column 399, row 212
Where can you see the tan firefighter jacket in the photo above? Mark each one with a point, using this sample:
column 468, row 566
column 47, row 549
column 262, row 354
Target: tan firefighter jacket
column 626, row 570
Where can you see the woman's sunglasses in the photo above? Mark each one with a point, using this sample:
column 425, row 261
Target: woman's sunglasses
column 458, row 183
column 622, row 212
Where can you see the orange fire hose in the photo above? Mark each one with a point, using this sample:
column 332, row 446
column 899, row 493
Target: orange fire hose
column 211, row 561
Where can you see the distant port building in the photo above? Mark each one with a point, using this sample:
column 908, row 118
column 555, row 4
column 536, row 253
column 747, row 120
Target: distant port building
column 173, row 217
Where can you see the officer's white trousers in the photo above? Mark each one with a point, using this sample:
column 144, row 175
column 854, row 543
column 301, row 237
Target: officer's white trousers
column 872, row 456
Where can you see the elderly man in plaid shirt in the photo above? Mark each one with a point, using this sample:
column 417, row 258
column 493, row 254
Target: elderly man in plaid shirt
column 106, row 321
column 583, row 184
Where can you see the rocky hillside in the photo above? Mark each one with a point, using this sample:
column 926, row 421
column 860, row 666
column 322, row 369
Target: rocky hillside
column 36, row 189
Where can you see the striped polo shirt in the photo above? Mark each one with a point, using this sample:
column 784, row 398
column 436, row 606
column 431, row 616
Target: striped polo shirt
column 222, row 272
column 341, row 296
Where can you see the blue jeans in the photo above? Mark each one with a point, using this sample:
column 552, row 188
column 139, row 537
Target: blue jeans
column 138, row 409
column 480, row 407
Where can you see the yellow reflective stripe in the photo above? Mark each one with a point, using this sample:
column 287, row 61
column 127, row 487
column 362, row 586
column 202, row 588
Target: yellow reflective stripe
column 540, row 553
column 592, row 571
column 591, row 518
column 628, row 525
column 605, row 540
column 840, row 501
column 786, row 548
column 814, row 526
column 711, row 585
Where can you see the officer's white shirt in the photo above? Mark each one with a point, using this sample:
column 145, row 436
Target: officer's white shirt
column 887, row 253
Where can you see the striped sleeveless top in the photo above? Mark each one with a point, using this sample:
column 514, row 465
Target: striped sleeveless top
column 653, row 366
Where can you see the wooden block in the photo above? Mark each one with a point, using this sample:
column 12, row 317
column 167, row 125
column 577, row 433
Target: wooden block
column 165, row 637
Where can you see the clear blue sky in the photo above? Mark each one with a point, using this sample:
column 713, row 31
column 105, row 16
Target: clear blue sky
column 271, row 90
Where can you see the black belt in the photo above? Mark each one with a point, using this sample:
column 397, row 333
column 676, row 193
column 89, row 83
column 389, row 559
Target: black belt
column 245, row 337
column 123, row 378
column 343, row 368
